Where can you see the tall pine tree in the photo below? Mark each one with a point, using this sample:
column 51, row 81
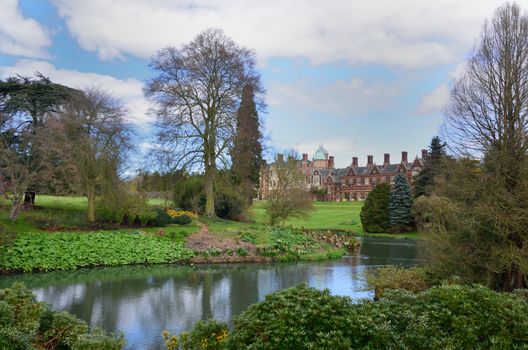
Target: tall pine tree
column 246, row 154
column 400, row 206
column 424, row 181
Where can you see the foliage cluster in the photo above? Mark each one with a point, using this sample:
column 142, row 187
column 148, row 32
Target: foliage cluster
column 288, row 244
column 50, row 251
column 205, row 335
column 26, row 324
column 400, row 206
column 444, row 317
column 389, row 209
column 189, row 196
column 375, row 212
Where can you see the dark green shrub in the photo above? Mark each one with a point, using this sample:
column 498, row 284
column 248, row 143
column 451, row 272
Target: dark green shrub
column 7, row 314
column 295, row 318
column 13, row 339
column 64, row 330
column 445, row 317
column 27, row 324
column 189, row 195
column 182, row 220
column 161, row 219
column 27, row 310
column 375, row 212
column 228, row 204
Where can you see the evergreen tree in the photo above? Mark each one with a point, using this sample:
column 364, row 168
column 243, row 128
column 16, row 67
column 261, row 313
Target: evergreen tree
column 375, row 212
column 424, row 181
column 400, row 205
column 247, row 148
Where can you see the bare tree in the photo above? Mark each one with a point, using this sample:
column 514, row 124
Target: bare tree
column 290, row 194
column 488, row 119
column 197, row 93
column 99, row 139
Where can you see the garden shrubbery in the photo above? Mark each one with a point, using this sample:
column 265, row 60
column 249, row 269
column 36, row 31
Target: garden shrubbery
column 189, row 195
column 61, row 251
column 444, row 317
column 375, row 212
column 28, row 324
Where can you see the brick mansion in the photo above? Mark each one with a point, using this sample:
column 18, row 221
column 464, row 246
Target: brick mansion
column 337, row 184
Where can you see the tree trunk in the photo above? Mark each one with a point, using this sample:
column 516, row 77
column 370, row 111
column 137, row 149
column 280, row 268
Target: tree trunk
column 90, row 213
column 209, row 193
column 15, row 210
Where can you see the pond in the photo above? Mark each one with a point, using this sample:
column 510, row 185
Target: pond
column 142, row 301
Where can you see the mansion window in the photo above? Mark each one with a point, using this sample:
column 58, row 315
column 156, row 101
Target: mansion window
column 374, row 182
column 362, row 180
column 354, row 182
column 367, row 181
column 388, row 179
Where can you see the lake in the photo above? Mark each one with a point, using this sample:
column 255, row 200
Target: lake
column 142, row 301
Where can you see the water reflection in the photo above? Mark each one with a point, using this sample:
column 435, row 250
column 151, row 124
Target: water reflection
column 141, row 301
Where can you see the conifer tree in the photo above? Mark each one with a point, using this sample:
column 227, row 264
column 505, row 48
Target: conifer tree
column 246, row 154
column 424, row 181
column 400, row 205
column 375, row 212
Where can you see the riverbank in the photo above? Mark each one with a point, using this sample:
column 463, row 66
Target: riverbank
column 46, row 251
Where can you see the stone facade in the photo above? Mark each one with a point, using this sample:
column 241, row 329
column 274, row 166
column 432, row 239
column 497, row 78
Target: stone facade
column 337, row 184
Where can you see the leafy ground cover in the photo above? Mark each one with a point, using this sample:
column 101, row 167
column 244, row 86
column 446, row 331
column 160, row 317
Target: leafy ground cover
column 58, row 251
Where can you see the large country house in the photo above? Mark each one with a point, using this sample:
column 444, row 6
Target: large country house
column 354, row 182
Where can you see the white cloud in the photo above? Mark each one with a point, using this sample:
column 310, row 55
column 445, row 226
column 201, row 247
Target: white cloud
column 435, row 101
column 21, row 36
column 341, row 98
column 408, row 33
column 129, row 91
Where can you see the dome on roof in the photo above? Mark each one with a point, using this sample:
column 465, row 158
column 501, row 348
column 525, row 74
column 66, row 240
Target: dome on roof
column 321, row 154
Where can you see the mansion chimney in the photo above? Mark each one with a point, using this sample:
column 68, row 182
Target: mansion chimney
column 424, row 153
column 280, row 158
column 354, row 161
column 404, row 157
column 386, row 159
column 305, row 156
column 331, row 161
column 370, row 160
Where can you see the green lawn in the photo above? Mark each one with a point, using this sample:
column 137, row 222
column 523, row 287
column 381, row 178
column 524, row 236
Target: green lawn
column 327, row 215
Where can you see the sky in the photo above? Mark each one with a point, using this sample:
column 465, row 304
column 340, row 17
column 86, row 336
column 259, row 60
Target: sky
column 360, row 77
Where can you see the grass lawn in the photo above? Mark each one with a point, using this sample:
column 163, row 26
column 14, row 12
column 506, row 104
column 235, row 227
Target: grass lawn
column 327, row 215
column 331, row 215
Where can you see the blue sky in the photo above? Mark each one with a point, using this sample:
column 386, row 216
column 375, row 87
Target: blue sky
column 359, row 77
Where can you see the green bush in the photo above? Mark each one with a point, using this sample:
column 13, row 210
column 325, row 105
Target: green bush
column 295, row 318
column 208, row 335
column 189, row 195
column 375, row 212
column 161, row 219
column 445, row 317
column 182, row 220
column 27, row 324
